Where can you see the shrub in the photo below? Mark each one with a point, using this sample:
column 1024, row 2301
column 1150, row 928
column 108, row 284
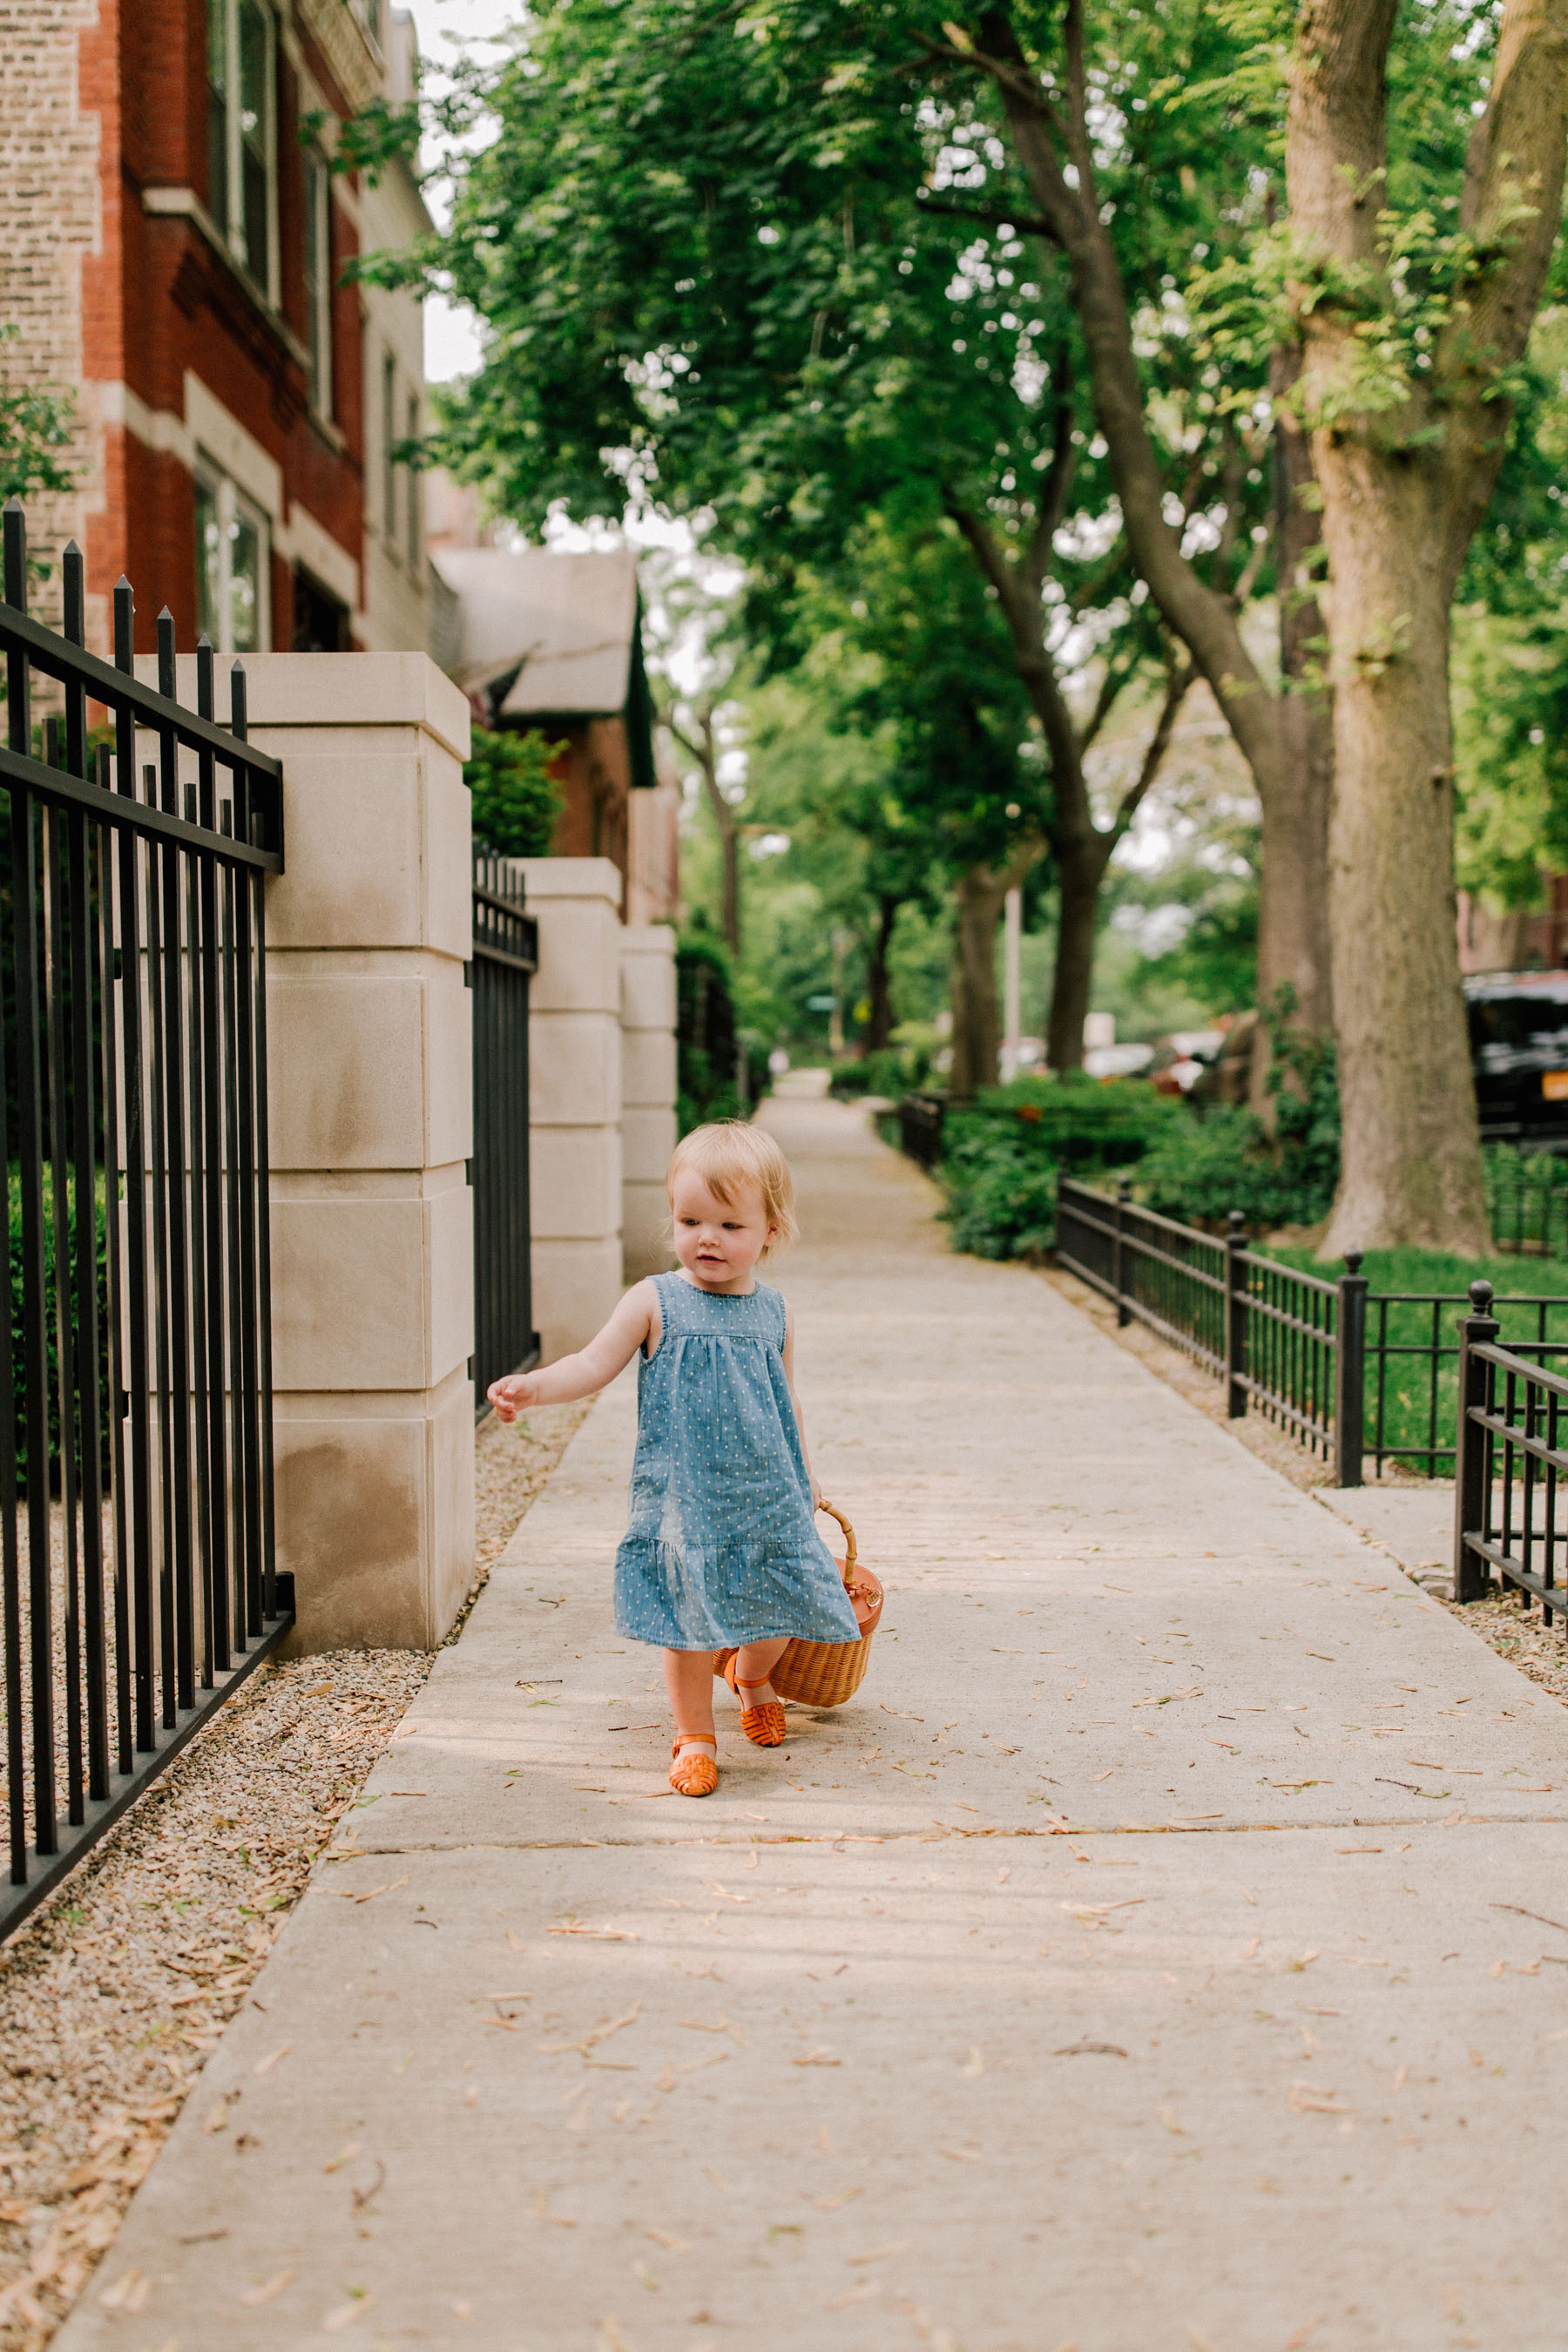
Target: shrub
column 515, row 801
column 1083, row 1122
column 19, row 1323
column 1226, row 1159
column 708, row 1043
column 895, row 1070
column 1000, row 1191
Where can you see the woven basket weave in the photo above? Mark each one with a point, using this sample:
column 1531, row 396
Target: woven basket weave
column 825, row 1674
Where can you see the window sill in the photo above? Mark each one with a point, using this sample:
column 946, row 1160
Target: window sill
column 333, row 434
column 184, row 203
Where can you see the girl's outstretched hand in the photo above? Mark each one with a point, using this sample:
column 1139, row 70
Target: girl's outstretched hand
column 512, row 1395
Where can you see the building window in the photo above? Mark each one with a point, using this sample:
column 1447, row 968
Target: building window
column 413, row 481
column 320, row 619
column 242, row 162
column 232, row 558
column 388, row 445
column 319, row 279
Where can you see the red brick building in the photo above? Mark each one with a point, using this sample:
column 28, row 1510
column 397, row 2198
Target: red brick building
column 173, row 246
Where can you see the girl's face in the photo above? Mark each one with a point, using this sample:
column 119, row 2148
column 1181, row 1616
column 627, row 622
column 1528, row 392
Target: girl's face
column 719, row 1241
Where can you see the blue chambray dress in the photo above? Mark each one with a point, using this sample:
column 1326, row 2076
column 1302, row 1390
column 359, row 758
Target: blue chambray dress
column 722, row 1548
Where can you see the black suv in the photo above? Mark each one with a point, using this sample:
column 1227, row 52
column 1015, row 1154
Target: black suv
column 1518, row 1051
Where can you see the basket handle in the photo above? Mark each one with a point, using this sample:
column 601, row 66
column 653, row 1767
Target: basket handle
column 835, row 1513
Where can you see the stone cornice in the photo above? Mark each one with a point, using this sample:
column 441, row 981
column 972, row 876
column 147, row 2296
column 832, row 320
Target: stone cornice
column 344, row 44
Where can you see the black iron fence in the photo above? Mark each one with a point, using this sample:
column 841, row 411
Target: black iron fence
column 136, row 1527
column 1351, row 1373
column 1509, row 1478
column 1271, row 1333
column 506, row 957
column 920, row 1121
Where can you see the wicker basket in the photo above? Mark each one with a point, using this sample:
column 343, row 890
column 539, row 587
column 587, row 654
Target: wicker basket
column 825, row 1674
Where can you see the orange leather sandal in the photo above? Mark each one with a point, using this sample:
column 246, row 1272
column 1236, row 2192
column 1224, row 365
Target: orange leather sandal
column 763, row 1725
column 694, row 1776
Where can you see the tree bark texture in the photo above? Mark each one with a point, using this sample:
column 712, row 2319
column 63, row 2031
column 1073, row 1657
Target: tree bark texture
column 879, row 982
column 1403, row 489
column 702, row 746
column 1081, row 870
column 976, row 1024
column 1293, row 943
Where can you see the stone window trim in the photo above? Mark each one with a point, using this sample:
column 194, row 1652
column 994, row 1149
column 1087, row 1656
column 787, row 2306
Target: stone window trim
column 321, row 280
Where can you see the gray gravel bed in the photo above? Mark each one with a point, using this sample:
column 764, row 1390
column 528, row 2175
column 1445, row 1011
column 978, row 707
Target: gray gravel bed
column 114, row 1992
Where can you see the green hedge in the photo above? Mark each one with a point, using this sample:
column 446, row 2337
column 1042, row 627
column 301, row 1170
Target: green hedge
column 1001, row 1154
column 18, row 1338
column 895, row 1070
column 708, row 1041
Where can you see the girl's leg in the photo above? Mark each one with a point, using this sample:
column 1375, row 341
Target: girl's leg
column 753, row 1664
column 689, row 1679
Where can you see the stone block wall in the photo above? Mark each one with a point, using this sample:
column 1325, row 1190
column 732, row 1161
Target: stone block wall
column 370, row 1060
column 647, row 1094
column 575, row 1077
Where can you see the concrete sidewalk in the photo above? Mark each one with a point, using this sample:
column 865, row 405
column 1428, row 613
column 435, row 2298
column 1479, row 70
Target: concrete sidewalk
column 1158, row 1953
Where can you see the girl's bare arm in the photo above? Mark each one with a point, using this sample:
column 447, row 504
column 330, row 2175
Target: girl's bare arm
column 634, row 1323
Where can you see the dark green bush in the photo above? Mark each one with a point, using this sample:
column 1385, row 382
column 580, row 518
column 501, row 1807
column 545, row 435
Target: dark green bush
column 1083, row 1123
column 18, row 1335
column 516, row 800
column 708, row 1044
column 1002, row 1195
column 1226, row 1159
column 895, row 1070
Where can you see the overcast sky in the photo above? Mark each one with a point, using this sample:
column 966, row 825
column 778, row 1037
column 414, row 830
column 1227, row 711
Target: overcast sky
column 451, row 342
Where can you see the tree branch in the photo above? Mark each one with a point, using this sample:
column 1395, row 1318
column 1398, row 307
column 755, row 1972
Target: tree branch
column 1179, row 676
column 1202, row 616
column 998, row 215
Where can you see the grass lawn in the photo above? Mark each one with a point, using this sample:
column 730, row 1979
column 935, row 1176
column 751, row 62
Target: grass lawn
column 1411, row 1395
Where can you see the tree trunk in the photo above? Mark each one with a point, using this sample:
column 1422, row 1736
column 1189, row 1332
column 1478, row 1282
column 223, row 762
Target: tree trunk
column 1404, row 488
column 879, row 987
column 1081, row 870
column 1293, row 946
column 1412, row 1169
column 729, row 863
column 976, row 1024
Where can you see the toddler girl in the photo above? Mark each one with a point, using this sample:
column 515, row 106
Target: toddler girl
column 722, row 1551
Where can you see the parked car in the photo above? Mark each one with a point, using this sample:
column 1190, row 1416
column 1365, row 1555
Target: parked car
column 1117, row 1061
column 1518, row 1051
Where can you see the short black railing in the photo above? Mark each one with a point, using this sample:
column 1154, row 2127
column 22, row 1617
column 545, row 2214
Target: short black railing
column 136, row 1503
column 920, row 1121
column 1355, row 1374
column 1271, row 1333
column 506, row 957
column 1511, row 1467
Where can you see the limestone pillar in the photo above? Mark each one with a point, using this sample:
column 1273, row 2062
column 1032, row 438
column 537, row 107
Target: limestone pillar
column 369, row 1057
column 647, row 1094
column 574, row 1083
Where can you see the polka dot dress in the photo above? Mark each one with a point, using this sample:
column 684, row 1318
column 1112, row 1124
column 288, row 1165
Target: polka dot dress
column 722, row 1548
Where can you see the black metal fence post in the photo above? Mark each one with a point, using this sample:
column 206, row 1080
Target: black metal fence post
column 1473, row 1447
column 121, row 1518
column 1119, row 1255
column 1236, row 1317
column 505, row 958
column 1350, row 1373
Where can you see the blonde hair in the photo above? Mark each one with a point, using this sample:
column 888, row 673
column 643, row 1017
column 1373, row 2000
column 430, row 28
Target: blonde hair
column 729, row 1152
